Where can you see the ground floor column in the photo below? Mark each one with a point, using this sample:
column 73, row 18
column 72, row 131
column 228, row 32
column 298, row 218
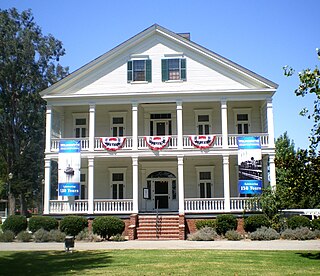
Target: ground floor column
column 135, row 187
column 47, row 184
column 272, row 171
column 180, row 185
column 90, row 185
column 226, row 183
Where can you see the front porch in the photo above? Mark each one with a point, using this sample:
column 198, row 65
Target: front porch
column 125, row 206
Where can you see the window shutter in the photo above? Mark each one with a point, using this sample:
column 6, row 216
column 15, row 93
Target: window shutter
column 183, row 69
column 129, row 71
column 148, row 70
column 164, row 66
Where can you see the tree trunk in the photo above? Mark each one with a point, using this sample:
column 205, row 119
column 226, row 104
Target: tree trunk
column 23, row 205
column 12, row 204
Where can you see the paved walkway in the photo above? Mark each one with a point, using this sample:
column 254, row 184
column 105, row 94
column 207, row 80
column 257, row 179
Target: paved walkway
column 216, row 245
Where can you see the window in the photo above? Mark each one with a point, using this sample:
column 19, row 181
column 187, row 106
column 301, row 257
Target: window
column 118, row 124
column 205, row 181
column 242, row 119
column 160, row 124
column 117, row 183
column 139, row 70
column 80, row 125
column 83, row 185
column 203, row 122
column 174, row 69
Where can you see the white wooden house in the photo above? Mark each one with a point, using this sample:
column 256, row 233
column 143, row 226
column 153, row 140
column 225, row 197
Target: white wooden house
column 158, row 84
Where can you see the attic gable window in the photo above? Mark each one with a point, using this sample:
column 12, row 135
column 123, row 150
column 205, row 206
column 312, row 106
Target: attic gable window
column 139, row 70
column 174, row 69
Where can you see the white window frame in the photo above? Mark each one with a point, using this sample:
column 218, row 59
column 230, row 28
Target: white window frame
column 198, row 112
column 118, row 170
column 236, row 112
column 118, row 114
column 86, row 126
column 200, row 169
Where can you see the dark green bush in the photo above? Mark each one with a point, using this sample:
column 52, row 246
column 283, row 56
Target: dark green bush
column 7, row 236
column 24, row 236
column 298, row 221
column 315, row 224
column 107, row 226
column 255, row 222
column 15, row 223
column 46, row 223
column 205, row 223
column 73, row 225
column 225, row 223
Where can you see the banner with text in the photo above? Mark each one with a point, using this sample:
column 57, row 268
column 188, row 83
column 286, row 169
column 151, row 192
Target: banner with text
column 250, row 165
column 69, row 168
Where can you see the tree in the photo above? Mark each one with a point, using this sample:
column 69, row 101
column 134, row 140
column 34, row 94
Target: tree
column 309, row 84
column 28, row 64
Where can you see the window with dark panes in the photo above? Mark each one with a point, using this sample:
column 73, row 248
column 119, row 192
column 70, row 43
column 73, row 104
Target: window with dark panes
column 139, row 70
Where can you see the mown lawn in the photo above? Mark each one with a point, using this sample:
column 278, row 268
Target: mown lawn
column 160, row 262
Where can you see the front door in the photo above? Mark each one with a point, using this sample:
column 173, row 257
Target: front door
column 161, row 194
column 160, row 128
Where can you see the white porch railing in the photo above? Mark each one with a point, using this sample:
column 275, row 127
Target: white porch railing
column 264, row 139
column 172, row 144
column 203, row 205
column 127, row 143
column 68, row 207
column 217, row 142
column 103, row 206
column 243, row 204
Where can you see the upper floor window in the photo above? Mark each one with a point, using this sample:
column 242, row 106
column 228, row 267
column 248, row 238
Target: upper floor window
column 118, row 124
column 139, row 70
column 173, row 69
column 80, row 125
column 203, row 122
column 242, row 120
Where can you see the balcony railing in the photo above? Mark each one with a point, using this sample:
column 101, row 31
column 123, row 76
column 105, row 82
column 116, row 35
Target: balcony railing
column 119, row 206
column 66, row 207
column 173, row 142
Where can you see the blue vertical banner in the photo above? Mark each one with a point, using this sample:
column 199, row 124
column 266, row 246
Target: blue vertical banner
column 250, row 165
column 69, row 168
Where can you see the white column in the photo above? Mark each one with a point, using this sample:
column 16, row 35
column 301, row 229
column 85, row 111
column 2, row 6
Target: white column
column 272, row 171
column 180, row 185
column 90, row 185
column 47, row 184
column 224, row 123
column 92, row 113
column 48, row 127
column 270, row 122
column 226, row 183
column 135, row 186
column 135, row 126
column 179, row 125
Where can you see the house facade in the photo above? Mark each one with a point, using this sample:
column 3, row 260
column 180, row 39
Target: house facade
column 157, row 119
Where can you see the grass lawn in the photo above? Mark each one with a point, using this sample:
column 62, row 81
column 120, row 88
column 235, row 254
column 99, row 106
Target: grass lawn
column 160, row 262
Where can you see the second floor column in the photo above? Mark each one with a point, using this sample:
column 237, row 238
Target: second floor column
column 179, row 126
column 224, row 124
column 92, row 115
column 270, row 122
column 90, row 185
column 47, row 186
column 135, row 126
column 226, row 183
column 135, row 185
column 48, row 127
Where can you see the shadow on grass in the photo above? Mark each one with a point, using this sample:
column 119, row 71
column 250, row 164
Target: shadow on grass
column 311, row 256
column 52, row 262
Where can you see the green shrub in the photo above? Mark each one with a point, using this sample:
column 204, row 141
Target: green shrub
column 73, row 225
column 205, row 223
column 41, row 236
column 46, row 223
column 225, row 223
column 107, row 226
column 317, row 233
column 233, row 235
column 301, row 233
column 204, row 234
column 118, row 238
column 56, row 235
column 298, row 221
column 24, row 236
column 15, row 223
column 7, row 236
column 254, row 222
column 264, row 234
column 315, row 224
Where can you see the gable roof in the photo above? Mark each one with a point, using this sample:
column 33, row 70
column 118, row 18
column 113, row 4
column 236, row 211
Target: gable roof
column 155, row 28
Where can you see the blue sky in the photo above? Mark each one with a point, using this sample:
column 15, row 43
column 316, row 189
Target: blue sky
column 261, row 35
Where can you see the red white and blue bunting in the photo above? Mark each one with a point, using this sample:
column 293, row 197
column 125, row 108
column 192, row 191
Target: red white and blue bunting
column 157, row 142
column 202, row 141
column 112, row 143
